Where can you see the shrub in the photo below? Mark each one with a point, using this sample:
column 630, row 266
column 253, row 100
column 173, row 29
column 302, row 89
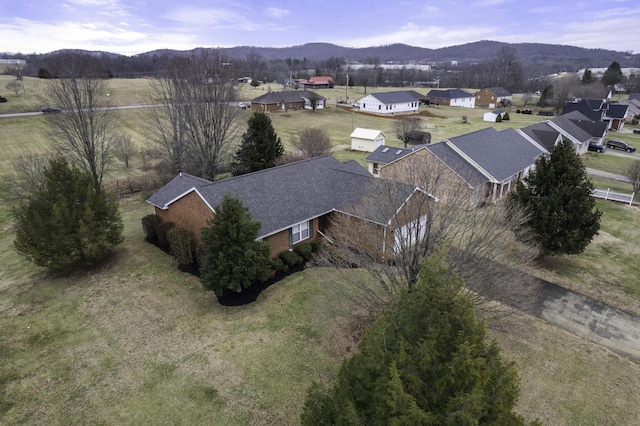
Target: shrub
column 290, row 258
column 303, row 250
column 316, row 245
column 150, row 226
column 505, row 117
column 498, row 118
column 181, row 243
column 277, row 265
column 162, row 229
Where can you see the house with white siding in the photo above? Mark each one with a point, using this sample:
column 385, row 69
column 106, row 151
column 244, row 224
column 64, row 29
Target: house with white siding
column 451, row 97
column 389, row 102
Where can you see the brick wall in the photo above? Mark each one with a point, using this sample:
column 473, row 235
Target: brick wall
column 189, row 212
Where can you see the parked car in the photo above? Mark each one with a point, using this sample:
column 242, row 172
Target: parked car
column 593, row 146
column 636, row 131
column 613, row 143
column 49, row 110
column 3, row 99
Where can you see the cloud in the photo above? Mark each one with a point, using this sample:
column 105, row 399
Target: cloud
column 274, row 12
column 429, row 36
column 26, row 34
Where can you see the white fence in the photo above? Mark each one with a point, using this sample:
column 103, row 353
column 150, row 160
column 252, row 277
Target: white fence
column 615, row 196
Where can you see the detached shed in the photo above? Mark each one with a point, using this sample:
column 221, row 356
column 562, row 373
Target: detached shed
column 492, row 116
column 366, row 139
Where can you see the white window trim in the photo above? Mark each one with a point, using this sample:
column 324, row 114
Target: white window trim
column 298, row 231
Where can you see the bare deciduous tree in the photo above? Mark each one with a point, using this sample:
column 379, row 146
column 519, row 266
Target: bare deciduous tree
column 14, row 86
column 27, row 176
column 404, row 126
column 123, row 147
column 312, row 142
column 564, row 89
column 85, row 129
column 481, row 241
column 198, row 121
column 633, row 173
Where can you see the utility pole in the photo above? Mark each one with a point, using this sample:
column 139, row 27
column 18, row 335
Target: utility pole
column 346, row 89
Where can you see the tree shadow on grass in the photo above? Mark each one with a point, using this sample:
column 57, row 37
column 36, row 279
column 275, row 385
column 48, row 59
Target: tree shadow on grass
column 247, row 295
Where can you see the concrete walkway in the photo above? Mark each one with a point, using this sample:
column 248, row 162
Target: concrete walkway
column 581, row 315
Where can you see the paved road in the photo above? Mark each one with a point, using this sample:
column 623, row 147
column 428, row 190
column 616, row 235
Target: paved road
column 607, row 175
column 27, row 114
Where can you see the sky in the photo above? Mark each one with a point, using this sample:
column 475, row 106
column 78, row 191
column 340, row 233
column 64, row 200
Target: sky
column 130, row 27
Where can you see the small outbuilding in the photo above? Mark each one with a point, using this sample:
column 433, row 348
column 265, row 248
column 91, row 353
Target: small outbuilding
column 366, row 140
column 494, row 116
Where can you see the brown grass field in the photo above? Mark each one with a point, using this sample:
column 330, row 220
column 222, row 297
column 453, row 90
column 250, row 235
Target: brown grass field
column 135, row 341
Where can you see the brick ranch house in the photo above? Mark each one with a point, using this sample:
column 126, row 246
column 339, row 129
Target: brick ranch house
column 294, row 202
column 287, row 100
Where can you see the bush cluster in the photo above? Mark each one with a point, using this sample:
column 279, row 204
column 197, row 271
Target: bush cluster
column 150, row 227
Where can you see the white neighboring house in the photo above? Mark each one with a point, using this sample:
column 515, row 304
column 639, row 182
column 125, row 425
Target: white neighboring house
column 366, row 140
column 389, row 102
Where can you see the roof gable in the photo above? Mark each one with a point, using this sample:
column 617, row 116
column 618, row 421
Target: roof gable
column 542, row 134
column 501, row 154
column 578, row 126
column 369, row 134
column 498, row 91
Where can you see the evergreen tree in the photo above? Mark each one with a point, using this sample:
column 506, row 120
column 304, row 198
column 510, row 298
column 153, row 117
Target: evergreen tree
column 232, row 259
column 65, row 223
column 613, row 74
column 557, row 195
column 424, row 362
column 587, row 77
column 260, row 147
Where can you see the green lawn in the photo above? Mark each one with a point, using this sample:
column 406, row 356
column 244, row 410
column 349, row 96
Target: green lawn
column 135, row 341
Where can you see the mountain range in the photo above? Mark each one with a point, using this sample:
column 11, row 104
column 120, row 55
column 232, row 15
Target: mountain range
column 528, row 53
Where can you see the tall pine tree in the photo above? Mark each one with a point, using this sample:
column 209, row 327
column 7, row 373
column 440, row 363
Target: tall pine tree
column 557, row 195
column 66, row 223
column 424, row 362
column 232, row 259
column 260, row 148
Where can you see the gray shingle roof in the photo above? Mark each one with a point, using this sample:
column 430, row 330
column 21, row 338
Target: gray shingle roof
column 542, row 133
column 282, row 196
column 449, row 94
column 501, row 154
column 286, row 96
column 395, row 97
column 578, row 126
column 499, row 91
column 457, row 163
column 386, row 154
column 617, row 111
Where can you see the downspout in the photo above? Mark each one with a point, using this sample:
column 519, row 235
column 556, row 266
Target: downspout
column 384, row 243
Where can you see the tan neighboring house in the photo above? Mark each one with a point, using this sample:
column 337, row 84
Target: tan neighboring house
column 494, row 97
column 294, row 203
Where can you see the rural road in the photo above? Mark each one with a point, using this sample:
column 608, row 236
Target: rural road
column 27, row 114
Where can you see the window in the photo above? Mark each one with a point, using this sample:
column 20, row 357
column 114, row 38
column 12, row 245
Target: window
column 300, row 232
